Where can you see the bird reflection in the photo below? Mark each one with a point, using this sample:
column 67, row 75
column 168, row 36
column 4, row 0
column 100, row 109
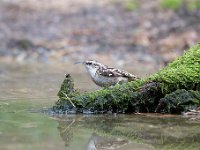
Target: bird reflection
column 97, row 142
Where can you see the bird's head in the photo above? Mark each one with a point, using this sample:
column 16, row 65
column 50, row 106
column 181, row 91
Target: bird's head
column 91, row 65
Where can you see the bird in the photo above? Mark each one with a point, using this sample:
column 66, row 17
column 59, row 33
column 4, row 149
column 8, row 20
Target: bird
column 105, row 76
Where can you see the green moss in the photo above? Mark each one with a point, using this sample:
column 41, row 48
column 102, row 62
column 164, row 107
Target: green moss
column 179, row 101
column 183, row 73
column 171, row 4
column 65, row 94
column 114, row 99
column 141, row 95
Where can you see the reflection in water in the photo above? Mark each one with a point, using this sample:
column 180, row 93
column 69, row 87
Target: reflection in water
column 100, row 142
column 69, row 127
column 141, row 131
column 66, row 130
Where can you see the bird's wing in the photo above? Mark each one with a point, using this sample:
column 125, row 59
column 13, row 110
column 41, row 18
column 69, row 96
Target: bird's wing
column 109, row 72
column 112, row 72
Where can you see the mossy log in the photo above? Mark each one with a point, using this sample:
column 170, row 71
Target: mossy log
column 173, row 89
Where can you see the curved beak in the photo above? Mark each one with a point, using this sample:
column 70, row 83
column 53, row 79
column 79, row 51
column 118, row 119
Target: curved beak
column 80, row 62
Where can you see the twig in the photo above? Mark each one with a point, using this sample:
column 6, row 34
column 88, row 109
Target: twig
column 67, row 98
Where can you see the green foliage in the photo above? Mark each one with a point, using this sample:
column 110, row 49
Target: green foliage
column 176, row 4
column 171, row 4
column 194, row 4
column 130, row 5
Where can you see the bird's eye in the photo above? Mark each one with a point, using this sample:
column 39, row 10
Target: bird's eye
column 89, row 63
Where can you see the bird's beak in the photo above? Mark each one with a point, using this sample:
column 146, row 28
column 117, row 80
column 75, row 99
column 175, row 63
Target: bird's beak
column 80, row 62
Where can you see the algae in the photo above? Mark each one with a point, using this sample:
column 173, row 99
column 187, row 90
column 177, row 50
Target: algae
column 151, row 94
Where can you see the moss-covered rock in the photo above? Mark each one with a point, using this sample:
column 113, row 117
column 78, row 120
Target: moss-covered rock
column 183, row 73
column 179, row 101
column 145, row 95
column 66, row 93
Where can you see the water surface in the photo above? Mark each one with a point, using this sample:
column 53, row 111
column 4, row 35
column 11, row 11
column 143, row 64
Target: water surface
column 27, row 91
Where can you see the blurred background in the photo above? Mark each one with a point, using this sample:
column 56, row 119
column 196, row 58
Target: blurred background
column 140, row 35
column 41, row 39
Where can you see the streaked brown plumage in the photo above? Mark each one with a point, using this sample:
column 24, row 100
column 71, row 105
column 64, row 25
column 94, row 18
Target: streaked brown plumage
column 105, row 76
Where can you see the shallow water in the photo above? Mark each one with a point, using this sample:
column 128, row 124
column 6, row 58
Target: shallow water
column 27, row 91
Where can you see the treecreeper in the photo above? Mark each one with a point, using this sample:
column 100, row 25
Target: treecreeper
column 105, row 76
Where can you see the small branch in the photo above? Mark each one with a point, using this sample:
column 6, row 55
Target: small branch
column 67, row 98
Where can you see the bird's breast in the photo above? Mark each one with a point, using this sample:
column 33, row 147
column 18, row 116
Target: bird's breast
column 108, row 81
